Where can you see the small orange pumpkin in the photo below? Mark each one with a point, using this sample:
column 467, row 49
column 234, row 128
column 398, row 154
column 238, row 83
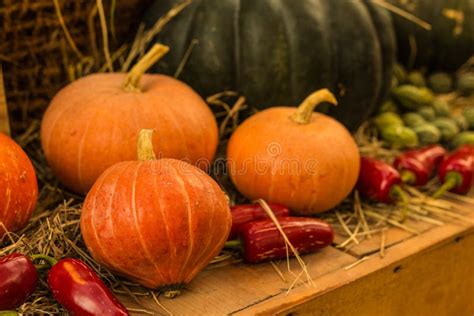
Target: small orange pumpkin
column 94, row 122
column 18, row 186
column 157, row 222
column 307, row 161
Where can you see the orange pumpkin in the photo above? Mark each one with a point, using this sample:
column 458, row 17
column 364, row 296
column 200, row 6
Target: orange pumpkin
column 307, row 161
column 94, row 122
column 18, row 186
column 157, row 222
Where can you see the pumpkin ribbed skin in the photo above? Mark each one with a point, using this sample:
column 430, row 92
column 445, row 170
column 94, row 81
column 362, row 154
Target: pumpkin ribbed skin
column 278, row 51
column 310, row 168
column 93, row 123
column 18, row 186
column 156, row 222
column 448, row 45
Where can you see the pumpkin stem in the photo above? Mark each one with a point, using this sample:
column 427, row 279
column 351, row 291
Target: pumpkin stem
column 145, row 145
column 305, row 109
column 132, row 82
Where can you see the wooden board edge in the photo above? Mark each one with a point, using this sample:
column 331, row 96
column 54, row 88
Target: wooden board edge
column 436, row 237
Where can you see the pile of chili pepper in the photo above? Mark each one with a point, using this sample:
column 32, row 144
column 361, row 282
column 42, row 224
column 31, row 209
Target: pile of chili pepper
column 73, row 284
column 382, row 182
column 261, row 240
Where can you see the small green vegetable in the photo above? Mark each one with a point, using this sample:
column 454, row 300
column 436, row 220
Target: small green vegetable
column 411, row 97
column 468, row 113
column 416, row 78
column 388, row 106
column 463, row 139
column 441, row 107
column 387, row 119
column 448, row 128
column 412, row 119
column 427, row 112
column 465, row 84
column 427, row 133
column 399, row 136
column 400, row 73
column 440, row 82
column 394, row 83
column 461, row 122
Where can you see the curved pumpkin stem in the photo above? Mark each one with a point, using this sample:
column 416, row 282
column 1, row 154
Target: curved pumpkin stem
column 132, row 82
column 145, row 145
column 306, row 108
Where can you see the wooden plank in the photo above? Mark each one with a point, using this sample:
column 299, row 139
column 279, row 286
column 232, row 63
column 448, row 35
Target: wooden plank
column 393, row 236
column 228, row 289
column 4, row 122
column 436, row 282
column 395, row 255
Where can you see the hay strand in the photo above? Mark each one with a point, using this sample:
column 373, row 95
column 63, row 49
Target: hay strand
column 4, row 121
column 68, row 36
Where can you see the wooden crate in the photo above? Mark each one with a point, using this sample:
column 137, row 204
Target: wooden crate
column 427, row 274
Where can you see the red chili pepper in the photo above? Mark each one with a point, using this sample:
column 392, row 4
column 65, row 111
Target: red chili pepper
column 244, row 213
column 418, row 165
column 79, row 289
column 261, row 240
column 18, row 279
column 379, row 181
column 456, row 172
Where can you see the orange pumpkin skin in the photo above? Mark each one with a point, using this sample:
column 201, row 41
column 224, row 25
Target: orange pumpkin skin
column 93, row 123
column 310, row 168
column 156, row 222
column 18, row 186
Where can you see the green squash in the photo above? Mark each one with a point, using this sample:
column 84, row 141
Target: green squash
column 276, row 52
column 450, row 42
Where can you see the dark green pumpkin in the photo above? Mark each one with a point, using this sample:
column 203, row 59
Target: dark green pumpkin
column 448, row 45
column 276, row 52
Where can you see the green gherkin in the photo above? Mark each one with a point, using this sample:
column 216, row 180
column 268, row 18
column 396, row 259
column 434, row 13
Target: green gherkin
column 468, row 113
column 411, row 97
column 440, row 82
column 463, row 138
column 427, row 133
column 441, row 107
column 387, row 119
column 412, row 119
column 461, row 122
column 388, row 106
column 399, row 136
column 465, row 84
column 427, row 112
column 400, row 73
column 416, row 78
column 448, row 128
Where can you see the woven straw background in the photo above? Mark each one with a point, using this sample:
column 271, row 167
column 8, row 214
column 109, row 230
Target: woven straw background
column 35, row 55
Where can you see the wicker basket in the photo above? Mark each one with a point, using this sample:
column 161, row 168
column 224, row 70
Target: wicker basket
column 37, row 57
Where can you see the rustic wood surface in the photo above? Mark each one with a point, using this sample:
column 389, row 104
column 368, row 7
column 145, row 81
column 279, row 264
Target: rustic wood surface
column 4, row 122
column 427, row 274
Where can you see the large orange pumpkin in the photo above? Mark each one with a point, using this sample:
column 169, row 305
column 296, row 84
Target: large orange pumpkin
column 93, row 122
column 18, row 186
column 157, row 222
column 307, row 161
